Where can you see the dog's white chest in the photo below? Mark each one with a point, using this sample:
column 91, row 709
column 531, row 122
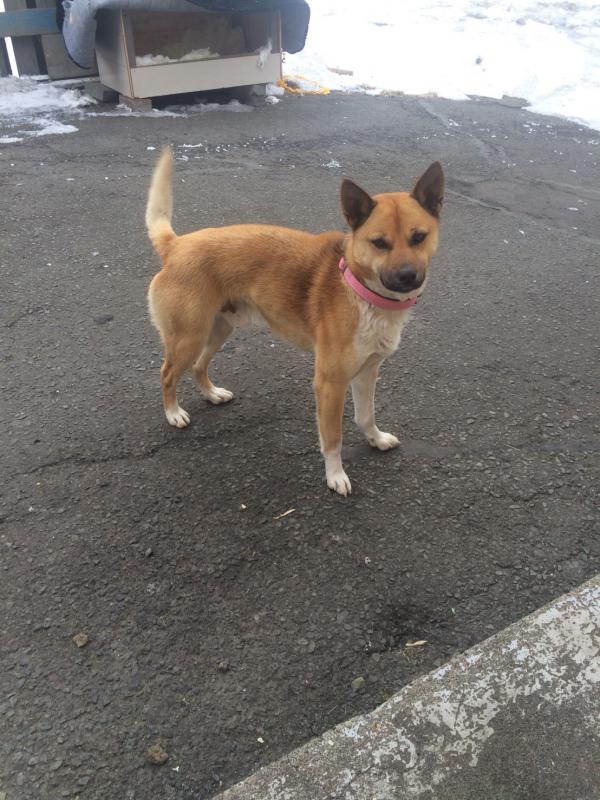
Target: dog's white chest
column 379, row 332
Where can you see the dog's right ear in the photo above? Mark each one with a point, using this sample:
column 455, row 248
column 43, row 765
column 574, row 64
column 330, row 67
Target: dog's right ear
column 356, row 204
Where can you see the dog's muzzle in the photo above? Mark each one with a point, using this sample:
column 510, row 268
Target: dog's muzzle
column 405, row 279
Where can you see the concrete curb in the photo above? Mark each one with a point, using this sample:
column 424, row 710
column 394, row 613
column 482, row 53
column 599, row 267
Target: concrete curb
column 517, row 716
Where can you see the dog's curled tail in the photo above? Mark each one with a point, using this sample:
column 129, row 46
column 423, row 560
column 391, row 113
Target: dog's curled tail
column 159, row 208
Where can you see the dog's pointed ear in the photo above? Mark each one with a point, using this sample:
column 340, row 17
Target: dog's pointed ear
column 429, row 190
column 356, row 204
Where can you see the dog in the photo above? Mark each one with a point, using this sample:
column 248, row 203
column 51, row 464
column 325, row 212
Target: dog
column 345, row 297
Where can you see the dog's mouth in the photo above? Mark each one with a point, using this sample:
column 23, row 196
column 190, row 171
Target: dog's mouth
column 401, row 281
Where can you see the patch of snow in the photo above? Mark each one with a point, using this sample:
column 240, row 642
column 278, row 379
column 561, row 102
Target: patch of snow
column 522, row 654
column 29, row 105
column 553, row 60
column 51, row 126
column 263, row 53
column 439, row 674
column 201, row 108
column 150, row 60
column 26, row 96
column 271, row 89
column 124, row 111
column 352, row 728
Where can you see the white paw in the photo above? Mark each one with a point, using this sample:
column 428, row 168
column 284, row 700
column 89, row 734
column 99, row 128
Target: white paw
column 384, row 441
column 177, row 417
column 218, row 395
column 340, row 483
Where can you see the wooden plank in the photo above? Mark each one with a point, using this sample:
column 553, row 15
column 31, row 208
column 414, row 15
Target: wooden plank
column 5, row 68
column 58, row 63
column 30, row 22
column 258, row 28
column 136, row 103
column 196, row 76
column 127, row 41
column 28, row 51
column 111, row 52
column 113, row 74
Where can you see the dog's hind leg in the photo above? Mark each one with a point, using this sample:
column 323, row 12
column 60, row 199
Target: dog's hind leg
column 180, row 354
column 221, row 330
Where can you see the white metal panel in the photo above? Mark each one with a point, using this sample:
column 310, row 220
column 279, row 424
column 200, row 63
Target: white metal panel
column 111, row 52
column 196, row 76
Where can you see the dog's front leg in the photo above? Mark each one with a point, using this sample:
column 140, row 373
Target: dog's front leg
column 363, row 395
column 330, row 394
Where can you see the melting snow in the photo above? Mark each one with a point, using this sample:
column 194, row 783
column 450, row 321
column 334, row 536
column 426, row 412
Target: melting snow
column 547, row 53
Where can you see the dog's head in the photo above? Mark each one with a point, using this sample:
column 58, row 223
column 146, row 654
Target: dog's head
column 395, row 235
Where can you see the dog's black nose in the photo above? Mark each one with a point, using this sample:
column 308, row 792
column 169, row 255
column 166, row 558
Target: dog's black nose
column 401, row 280
column 407, row 277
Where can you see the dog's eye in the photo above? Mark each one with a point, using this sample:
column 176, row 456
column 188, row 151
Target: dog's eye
column 380, row 243
column 418, row 237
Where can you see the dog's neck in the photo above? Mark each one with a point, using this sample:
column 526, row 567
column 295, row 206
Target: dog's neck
column 371, row 297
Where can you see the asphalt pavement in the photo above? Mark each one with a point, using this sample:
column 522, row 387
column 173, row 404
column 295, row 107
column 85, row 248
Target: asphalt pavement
column 214, row 626
column 514, row 718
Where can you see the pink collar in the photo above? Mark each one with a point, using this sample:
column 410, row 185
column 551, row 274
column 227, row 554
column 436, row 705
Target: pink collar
column 372, row 297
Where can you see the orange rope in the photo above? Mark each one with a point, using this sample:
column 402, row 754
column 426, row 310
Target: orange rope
column 295, row 89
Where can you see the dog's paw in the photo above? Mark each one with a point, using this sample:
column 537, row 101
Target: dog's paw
column 177, row 417
column 216, row 395
column 384, row 441
column 340, row 483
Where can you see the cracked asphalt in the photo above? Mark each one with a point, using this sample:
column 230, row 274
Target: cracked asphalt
column 217, row 628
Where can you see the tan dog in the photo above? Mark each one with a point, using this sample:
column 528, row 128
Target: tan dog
column 216, row 279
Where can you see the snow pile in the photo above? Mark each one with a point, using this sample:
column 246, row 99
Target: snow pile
column 24, row 96
column 547, row 53
column 28, row 107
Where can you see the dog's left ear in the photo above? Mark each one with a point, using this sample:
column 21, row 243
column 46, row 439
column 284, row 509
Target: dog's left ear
column 429, row 190
column 356, row 204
